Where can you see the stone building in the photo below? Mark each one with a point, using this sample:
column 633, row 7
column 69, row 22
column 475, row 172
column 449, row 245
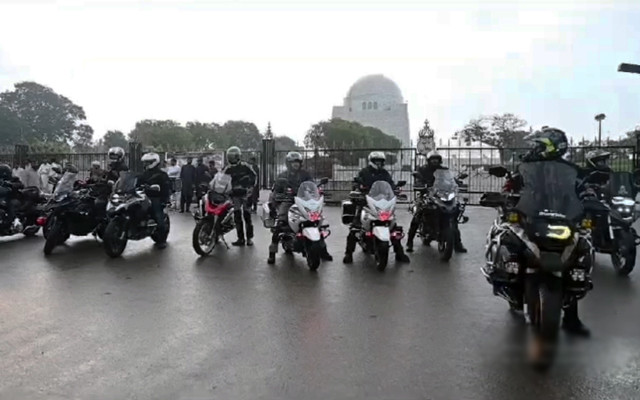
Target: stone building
column 377, row 101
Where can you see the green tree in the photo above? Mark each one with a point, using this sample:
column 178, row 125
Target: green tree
column 204, row 135
column 285, row 143
column 162, row 135
column 12, row 129
column 45, row 116
column 114, row 139
column 239, row 133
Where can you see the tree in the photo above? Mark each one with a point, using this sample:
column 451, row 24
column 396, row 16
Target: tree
column 114, row 139
column 239, row 133
column 165, row 135
column 285, row 143
column 82, row 138
column 45, row 116
column 204, row 135
column 12, row 128
column 475, row 130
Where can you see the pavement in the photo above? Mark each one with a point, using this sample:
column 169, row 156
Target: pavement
column 167, row 324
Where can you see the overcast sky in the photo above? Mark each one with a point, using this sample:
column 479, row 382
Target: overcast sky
column 288, row 62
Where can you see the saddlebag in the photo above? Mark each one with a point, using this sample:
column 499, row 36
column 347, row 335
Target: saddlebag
column 348, row 211
column 265, row 216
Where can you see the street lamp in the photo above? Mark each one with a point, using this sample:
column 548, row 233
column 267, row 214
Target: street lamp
column 630, row 68
column 599, row 118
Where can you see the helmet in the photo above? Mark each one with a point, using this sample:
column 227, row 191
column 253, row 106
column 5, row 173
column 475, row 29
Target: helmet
column 95, row 164
column 293, row 157
column 150, row 160
column 598, row 159
column 434, row 158
column 68, row 167
column 548, row 143
column 5, row 171
column 233, row 155
column 116, row 154
column 377, row 159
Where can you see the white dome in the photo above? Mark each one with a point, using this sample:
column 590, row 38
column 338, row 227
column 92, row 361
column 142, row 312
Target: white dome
column 375, row 86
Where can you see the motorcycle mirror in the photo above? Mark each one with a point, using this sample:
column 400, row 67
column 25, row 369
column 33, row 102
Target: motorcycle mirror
column 155, row 188
column 401, row 183
column 463, row 176
column 498, row 171
column 357, row 180
column 324, row 181
column 110, row 183
column 402, row 197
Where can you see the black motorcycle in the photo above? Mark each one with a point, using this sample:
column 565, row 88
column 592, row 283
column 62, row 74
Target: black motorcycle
column 129, row 215
column 25, row 204
column 539, row 256
column 440, row 210
column 613, row 218
column 77, row 209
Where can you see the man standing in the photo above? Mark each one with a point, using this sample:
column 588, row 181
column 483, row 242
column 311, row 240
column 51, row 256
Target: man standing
column 173, row 170
column 43, row 173
column 202, row 176
column 188, row 177
column 255, row 195
column 238, row 171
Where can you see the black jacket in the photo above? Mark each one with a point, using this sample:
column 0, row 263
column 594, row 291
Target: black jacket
column 239, row 171
column 294, row 179
column 202, row 174
column 188, row 177
column 113, row 174
column 156, row 176
column 368, row 175
column 427, row 177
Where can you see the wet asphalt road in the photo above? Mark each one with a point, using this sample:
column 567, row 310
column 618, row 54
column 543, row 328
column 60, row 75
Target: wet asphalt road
column 169, row 325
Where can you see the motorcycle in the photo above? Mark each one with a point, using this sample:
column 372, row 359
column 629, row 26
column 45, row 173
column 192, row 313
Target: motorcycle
column 129, row 215
column 440, row 210
column 74, row 210
column 538, row 255
column 306, row 230
column 26, row 210
column 215, row 216
column 378, row 229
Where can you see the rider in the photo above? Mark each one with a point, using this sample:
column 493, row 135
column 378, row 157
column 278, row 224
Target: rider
column 241, row 204
column 96, row 174
column 550, row 144
column 367, row 176
column 116, row 163
column 154, row 175
column 294, row 175
column 426, row 179
column 13, row 184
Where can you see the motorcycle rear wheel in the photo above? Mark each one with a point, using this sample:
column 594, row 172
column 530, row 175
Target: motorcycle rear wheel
column 56, row 236
column 623, row 256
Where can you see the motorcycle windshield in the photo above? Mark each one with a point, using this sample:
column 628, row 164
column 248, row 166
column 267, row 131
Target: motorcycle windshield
column 309, row 195
column 621, row 184
column 549, row 190
column 65, row 185
column 444, row 183
column 126, row 183
column 381, row 190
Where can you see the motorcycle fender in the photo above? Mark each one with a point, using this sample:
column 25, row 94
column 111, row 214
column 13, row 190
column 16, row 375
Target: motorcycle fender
column 311, row 233
column 382, row 233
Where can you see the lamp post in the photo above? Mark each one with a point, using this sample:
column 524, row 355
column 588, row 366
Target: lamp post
column 599, row 118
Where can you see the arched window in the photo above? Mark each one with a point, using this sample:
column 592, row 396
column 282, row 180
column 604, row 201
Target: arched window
column 375, row 105
column 364, row 105
column 369, row 106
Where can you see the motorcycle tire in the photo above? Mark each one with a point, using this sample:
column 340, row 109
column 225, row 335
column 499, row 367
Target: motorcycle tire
column 313, row 250
column 623, row 257
column 113, row 244
column 545, row 309
column 445, row 245
column 56, row 232
column 204, row 228
column 156, row 237
column 381, row 253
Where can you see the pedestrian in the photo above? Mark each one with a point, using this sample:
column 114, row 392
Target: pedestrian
column 31, row 178
column 188, row 178
column 203, row 175
column 43, row 172
column 255, row 194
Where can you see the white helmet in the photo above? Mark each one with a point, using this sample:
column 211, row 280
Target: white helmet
column 377, row 159
column 95, row 164
column 150, row 160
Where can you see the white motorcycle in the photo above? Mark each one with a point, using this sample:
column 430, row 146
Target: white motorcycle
column 306, row 231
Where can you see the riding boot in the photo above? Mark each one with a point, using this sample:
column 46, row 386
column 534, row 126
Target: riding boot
column 400, row 254
column 458, row 247
column 571, row 322
column 351, row 247
column 413, row 229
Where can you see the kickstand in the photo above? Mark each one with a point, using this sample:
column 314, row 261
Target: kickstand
column 225, row 242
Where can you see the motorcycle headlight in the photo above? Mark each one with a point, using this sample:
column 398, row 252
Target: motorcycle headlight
column 61, row 197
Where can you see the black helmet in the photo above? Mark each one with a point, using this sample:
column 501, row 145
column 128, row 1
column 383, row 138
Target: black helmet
column 434, row 158
column 292, row 157
column 598, row 159
column 116, row 154
column 233, row 155
column 5, row 171
column 548, row 144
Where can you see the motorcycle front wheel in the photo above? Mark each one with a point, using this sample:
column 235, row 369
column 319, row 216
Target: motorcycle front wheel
column 56, row 236
column 205, row 237
column 115, row 238
column 623, row 257
column 445, row 245
column 544, row 306
column 313, row 250
column 382, row 254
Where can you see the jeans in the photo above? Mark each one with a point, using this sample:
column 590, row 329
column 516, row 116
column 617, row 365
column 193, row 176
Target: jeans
column 241, row 206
